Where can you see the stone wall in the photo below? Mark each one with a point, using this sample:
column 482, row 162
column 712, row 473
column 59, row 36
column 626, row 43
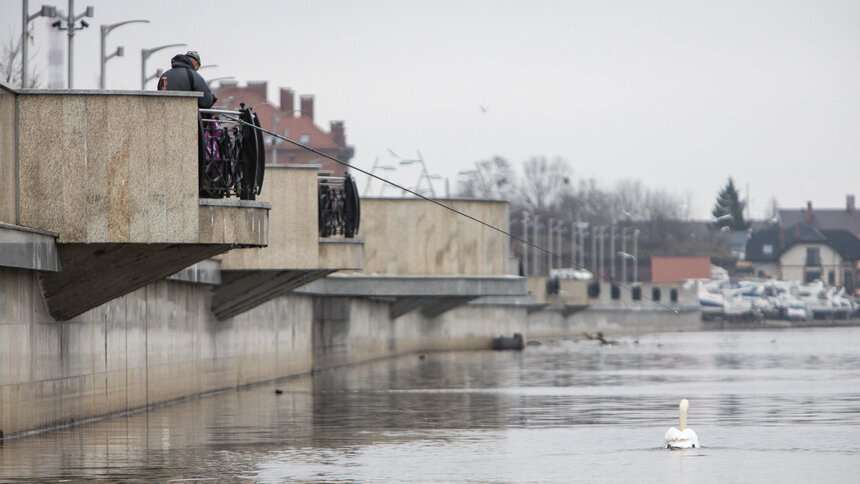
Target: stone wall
column 410, row 236
column 137, row 185
column 353, row 330
column 154, row 345
column 293, row 232
column 8, row 160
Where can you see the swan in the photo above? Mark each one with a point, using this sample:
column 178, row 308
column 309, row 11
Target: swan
column 684, row 438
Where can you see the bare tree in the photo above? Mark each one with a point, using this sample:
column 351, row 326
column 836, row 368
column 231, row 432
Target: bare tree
column 491, row 179
column 544, row 182
column 10, row 64
column 772, row 214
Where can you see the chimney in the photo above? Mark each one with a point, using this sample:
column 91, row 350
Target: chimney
column 307, row 103
column 781, row 238
column 288, row 100
column 258, row 87
column 808, row 212
column 849, row 203
column 338, row 134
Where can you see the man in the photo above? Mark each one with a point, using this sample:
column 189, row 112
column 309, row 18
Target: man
column 183, row 76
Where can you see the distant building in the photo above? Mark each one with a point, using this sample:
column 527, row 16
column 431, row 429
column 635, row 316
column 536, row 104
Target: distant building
column 295, row 124
column 677, row 269
column 847, row 218
column 804, row 253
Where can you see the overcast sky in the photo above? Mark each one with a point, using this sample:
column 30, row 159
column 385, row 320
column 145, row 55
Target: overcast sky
column 678, row 94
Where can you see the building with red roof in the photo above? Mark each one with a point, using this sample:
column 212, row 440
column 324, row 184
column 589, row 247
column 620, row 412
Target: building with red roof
column 295, row 124
column 677, row 269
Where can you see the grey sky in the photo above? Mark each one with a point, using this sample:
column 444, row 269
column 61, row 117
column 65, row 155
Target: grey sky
column 678, row 94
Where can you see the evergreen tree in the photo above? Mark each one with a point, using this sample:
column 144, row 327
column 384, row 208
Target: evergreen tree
column 729, row 209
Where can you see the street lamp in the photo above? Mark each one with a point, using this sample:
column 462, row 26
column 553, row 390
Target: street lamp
column 120, row 50
column 624, row 258
column 70, row 27
column 424, row 174
column 525, row 244
column 276, row 116
column 376, row 166
column 45, row 11
column 636, row 255
column 624, row 251
column 144, row 54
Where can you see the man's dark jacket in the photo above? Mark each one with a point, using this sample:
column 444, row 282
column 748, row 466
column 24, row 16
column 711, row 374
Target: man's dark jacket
column 183, row 77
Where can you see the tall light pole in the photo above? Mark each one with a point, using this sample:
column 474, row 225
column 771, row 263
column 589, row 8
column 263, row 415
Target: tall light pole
column 636, row 255
column 612, row 273
column 536, row 261
column 525, row 244
column 424, row 174
column 559, row 231
column 70, row 27
column 624, row 251
column 376, row 166
column 583, row 227
column 120, row 51
column 549, row 255
column 276, row 116
column 144, row 54
column 26, row 18
column 602, row 251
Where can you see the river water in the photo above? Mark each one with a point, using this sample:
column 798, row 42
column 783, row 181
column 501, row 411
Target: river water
column 768, row 406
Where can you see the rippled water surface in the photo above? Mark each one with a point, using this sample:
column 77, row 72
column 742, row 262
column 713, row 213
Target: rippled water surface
column 768, row 406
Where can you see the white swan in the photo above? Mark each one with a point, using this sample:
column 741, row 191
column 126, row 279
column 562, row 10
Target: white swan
column 684, row 438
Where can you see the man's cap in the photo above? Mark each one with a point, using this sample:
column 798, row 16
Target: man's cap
column 194, row 55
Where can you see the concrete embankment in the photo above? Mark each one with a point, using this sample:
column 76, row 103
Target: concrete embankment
column 161, row 343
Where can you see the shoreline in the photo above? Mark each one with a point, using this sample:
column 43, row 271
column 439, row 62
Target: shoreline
column 724, row 324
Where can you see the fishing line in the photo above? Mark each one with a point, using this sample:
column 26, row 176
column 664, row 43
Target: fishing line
column 437, row 202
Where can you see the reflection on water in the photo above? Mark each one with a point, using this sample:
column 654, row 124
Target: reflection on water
column 773, row 406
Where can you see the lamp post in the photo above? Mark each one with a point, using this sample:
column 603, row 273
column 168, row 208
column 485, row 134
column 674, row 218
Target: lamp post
column 525, row 244
column 144, row 54
column 624, row 251
column 583, row 227
column 424, row 174
column 560, row 231
column 625, row 256
column 120, row 50
column 276, row 116
column 536, row 262
column 612, row 272
column 636, row 255
column 45, row 11
column 602, row 252
column 376, row 166
column 549, row 256
column 70, row 27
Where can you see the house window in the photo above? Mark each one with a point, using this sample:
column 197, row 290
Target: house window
column 811, row 276
column 767, row 249
column 813, row 257
column 831, row 278
column 848, row 281
column 305, row 139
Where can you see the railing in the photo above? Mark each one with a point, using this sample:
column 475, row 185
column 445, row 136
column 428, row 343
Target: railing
column 232, row 155
column 339, row 206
